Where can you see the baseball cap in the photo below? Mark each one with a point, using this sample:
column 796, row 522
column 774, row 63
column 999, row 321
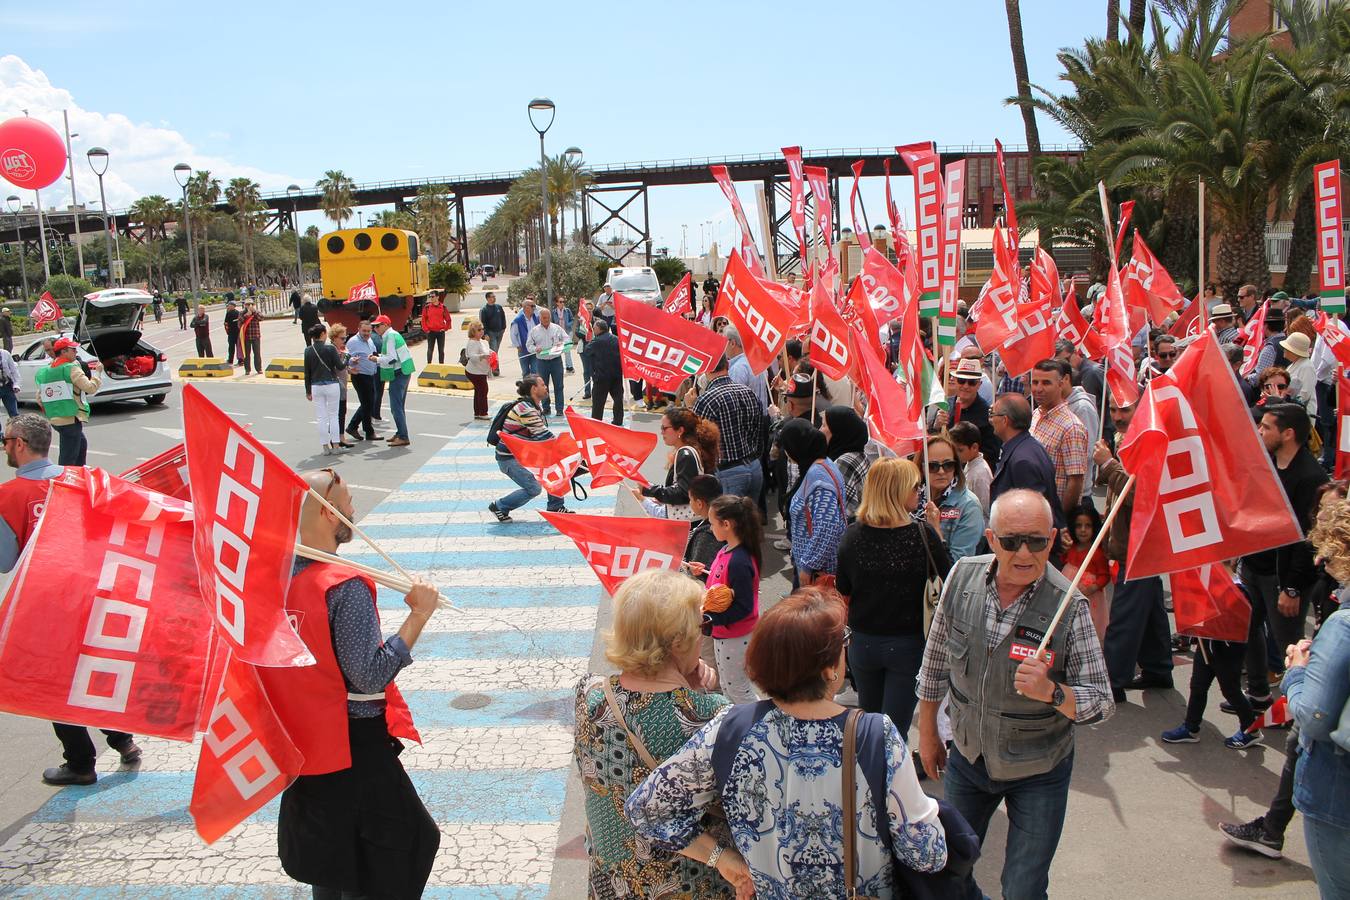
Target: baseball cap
column 381, row 320
column 64, row 343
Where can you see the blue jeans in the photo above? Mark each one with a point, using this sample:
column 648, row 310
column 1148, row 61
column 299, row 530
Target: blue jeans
column 528, row 490
column 1329, row 853
column 744, row 480
column 527, row 362
column 1138, row 632
column 398, row 396
column 11, row 402
column 1036, row 808
column 552, row 370
column 74, row 445
column 885, row 669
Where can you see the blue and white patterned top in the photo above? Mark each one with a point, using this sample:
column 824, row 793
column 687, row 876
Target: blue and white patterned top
column 782, row 801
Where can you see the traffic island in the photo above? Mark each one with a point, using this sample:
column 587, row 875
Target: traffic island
column 288, row 367
column 205, row 367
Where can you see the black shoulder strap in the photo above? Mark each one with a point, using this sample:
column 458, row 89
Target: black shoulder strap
column 736, row 724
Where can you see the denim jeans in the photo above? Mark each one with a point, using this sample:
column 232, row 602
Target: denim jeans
column 1138, row 632
column 744, row 480
column 527, row 363
column 11, row 402
column 74, row 445
column 885, row 669
column 398, row 395
column 1329, row 853
column 552, row 370
column 528, row 487
column 1036, row 807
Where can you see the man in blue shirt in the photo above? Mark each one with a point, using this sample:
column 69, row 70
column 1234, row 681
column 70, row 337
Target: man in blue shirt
column 739, row 370
column 526, row 319
column 362, row 347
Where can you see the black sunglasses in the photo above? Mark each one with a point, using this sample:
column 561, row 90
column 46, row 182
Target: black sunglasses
column 333, row 479
column 1012, row 542
column 946, row 465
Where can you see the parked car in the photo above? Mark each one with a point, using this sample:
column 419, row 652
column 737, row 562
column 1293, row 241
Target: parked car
column 636, row 283
column 108, row 330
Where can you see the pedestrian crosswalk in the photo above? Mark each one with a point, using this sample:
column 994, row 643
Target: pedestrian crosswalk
column 490, row 689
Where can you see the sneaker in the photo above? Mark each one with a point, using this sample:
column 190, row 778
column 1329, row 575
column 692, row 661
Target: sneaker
column 1242, row 740
column 64, row 774
column 1182, row 734
column 563, row 509
column 131, row 754
column 501, row 514
column 1259, row 704
column 782, row 544
column 1253, row 836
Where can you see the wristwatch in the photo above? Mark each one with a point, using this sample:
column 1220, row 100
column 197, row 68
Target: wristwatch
column 1292, row 592
column 1057, row 698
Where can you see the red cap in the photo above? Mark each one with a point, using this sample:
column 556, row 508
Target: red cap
column 63, row 343
column 381, row 320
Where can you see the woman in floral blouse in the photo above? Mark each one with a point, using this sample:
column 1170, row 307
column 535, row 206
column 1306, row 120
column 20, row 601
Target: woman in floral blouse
column 657, row 702
column 776, row 766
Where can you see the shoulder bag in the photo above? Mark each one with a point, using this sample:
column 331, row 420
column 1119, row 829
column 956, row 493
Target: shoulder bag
column 932, row 586
column 682, row 511
column 849, row 773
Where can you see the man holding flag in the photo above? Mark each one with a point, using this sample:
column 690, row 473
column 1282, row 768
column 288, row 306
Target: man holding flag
column 352, row 823
column 62, row 392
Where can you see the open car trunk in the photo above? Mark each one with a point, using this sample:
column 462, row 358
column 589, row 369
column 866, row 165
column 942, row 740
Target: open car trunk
column 123, row 354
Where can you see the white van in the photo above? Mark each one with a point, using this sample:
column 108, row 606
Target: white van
column 636, row 283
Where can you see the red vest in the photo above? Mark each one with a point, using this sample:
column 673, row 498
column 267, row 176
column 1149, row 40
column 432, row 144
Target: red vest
column 311, row 701
column 21, row 504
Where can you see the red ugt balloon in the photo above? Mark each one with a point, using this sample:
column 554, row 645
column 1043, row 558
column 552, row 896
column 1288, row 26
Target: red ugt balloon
column 32, row 154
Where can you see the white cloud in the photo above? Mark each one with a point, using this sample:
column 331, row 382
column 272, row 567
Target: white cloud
column 141, row 156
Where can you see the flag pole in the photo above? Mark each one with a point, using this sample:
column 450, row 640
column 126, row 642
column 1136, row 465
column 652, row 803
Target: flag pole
column 323, row 501
column 390, row 581
column 1200, row 268
column 1108, row 233
column 1083, row 566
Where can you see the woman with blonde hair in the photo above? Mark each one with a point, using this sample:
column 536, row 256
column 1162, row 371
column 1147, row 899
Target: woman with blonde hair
column 627, row 723
column 478, row 366
column 337, row 334
column 885, row 561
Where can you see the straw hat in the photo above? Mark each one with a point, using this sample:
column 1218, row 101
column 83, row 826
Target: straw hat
column 1221, row 311
column 968, row 370
column 1298, row 345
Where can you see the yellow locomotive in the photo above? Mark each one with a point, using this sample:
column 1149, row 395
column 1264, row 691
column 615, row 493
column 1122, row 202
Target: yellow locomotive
column 392, row 256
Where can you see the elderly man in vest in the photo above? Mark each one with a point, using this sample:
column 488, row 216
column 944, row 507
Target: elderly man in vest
column 1012, row 714
column 352, row 824
column 62, row 392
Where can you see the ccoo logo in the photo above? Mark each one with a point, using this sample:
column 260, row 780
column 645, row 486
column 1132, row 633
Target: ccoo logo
column 17, row 165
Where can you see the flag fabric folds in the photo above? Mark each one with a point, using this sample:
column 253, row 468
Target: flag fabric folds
column 619, row 546
column 660, row 348
column 762, row 322
column 45, row 311
column 1208, row 604
column 612, row 452
column 552, row 462
column 680, row 300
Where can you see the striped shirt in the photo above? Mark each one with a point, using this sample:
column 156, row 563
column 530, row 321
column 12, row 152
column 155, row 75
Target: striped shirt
column 524, row 421
column 1065, row 439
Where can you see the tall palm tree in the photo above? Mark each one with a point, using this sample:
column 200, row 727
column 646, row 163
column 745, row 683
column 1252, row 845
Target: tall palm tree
column 152, row 213
column 431, row 215
column 203, row 194
column 1113, row 20
column 245, row 196
column 393, row 218
column 1019, row 59
column 339, row 194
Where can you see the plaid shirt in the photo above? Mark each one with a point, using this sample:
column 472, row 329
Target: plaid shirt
column 251, row 325
column 1065, row 439
column 738, row 415
column 1084, row 667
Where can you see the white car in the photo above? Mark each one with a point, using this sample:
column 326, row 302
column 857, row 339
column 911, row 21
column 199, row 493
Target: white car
column 636, row 283
column 108, row 329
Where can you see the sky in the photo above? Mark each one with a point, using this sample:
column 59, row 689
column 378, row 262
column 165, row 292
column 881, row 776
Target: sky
column 282, row 92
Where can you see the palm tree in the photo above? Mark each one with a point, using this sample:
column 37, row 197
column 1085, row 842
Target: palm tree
column 1019, row 58
column 203, row 194
column 431, row 215
column 152, row 213
column 245, row 196
column 393, row 218
column 338, row 195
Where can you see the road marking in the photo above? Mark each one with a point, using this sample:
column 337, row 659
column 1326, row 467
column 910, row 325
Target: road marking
column 100, row 453
column 280, row 418
column 444, row 437
column 175, row 433
column 367, row 487
column 426, row 412
column 269, row 443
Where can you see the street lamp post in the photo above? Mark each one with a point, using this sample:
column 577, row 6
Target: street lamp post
column 74, row 204
column 573, row 155
column 182, row 173
column 543, row 105
column 294, row 192
column 14, row 205
column 99, row 157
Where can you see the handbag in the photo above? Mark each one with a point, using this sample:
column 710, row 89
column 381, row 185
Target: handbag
column 850, row 765
column 932, row 587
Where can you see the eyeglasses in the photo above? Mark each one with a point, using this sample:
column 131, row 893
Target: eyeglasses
column 1275, row 386
column 1172, row 355
column 946, row 465
column 1013, row 542
column 665, row 427
column 11, row 437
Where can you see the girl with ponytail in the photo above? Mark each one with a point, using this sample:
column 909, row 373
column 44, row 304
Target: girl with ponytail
column 735, row 520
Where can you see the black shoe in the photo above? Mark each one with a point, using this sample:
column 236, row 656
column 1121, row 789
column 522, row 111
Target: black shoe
column 585, row 396
column 1253, row 836
column 1118, row 694
column 502, row 515
column 563, row 509
column 1259, row 704
column 64, row 774
column 131, row 754
column 353, row 435
column 1149, row 682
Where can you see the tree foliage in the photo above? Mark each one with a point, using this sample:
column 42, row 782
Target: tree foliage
column 574, row 275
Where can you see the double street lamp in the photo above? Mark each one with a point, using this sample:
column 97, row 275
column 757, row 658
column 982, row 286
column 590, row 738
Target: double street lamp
column 573, row 156
column 98, row 161
column 293, row 191
column 182, row 173
column 540, row 106
column 14, row 204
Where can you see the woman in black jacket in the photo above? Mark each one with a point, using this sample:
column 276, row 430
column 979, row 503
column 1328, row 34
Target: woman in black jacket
column 323, row 388
column 695, row 440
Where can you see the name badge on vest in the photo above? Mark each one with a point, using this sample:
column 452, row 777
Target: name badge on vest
column 56, row 390
column 1024, row 643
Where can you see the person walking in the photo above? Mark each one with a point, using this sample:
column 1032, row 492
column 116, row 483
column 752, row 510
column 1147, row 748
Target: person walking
column 63, row 390
column 361, row 348
column 322, row 388
column 521, row 325
column 435, row 322
column 201, row 331
column 181, row 304
column 11, row 383
column 606, row 365
column 477, row 366
column 250, row 337
column 564, row 319
column 651, row 708
column 581, row 338
column 396, row 370
column 524, row 420
column 493, row 318
column 234, row 354
column 7, row 329
column 295, row 307
column 741, row 423
column 1012, row 714
column 28, row 439
column 157, row 304
column 309, row 316
column 351, row 824
column 885, row 560
column 546, row 342
column 779, row 768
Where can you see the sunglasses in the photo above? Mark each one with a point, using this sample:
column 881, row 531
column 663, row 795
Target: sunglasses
column 1167, row 355
column 946, row 465
column 1275, row 386
column 1013, row 542
column 333, row 479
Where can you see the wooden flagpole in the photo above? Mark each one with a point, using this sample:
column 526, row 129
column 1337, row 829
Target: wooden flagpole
column 359, row 533
column 390, row 581
column 1109, row 231
column 1082, row 567
column 1203, row 312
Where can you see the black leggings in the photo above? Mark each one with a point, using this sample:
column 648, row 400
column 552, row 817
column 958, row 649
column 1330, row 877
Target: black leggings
column 1221, row 660
column 436, row 341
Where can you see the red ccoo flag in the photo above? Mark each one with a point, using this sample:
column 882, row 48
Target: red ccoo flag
column 1072, row 325
column 1147, row 284
column 1202, row 494
column 45, row 310
column 1034, row 339
column 662, row 349
column 617, row 546
column 680, row 300
column 1250, row 337
column 1208, row 604
column 166, row 473
column 364, row 292
column 995, row 310
column 1343, row 432
column 830, row 348
column 890, row 405
column 763, row 322
column 552, row 462
column 1334, row 336
column 612, row 452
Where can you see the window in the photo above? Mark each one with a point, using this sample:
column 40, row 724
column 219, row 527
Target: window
column 336, row 245
column 361, row 241
column 389, row 241
column 412, row 246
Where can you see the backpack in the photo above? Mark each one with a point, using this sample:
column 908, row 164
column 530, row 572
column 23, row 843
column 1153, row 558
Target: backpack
column 493, row 436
